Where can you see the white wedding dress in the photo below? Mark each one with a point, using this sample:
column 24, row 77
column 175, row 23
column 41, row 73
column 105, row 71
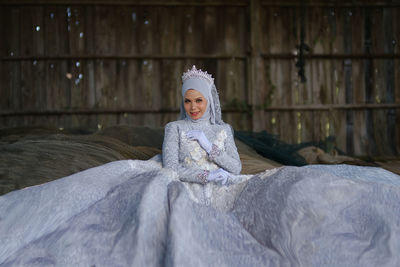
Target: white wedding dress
column 137, row 213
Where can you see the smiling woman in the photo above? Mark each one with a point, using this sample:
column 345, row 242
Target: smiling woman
column 191, row 206
column 200, row 146
column 195, row 104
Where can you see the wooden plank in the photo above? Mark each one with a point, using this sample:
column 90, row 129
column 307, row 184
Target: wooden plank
column 256, row 64
column 210, row 31
column 379, row 122
column 32, row 72
column 397, row 70
column 314, row 33
column 210, row 3
column 272, row 124
column 5, row 85
column 122, row 86
column 307, row 126
column 56, row 85
column 358, row 82
column 6, row 48
column 338, row 119
column 89, row 67
column 135, row 69
column 369, row 83
column 234, row 79
column 336, row 22
column 174, row 29
column 147, row 23
column 396, row 43
column 288, row 134
column 56, row 31
column 285, row 56
column 389, row 82
column 190, row 30
column 271, row 93
column 149, row 69
column 125, row 69
column 170, row 75
column 288, row 19
column 28, row 95
column 105, row 30
column 32, row 31
column 105, row 120
column 105, row 84
column 134, row 119
column 76, row 24
column 39, row 84
column 100, row 99
column 348, row 86
column 271, row 97
column 356, row 17
column 235, row 93
column 327, row 74
column 337, row 44
column 126, row 31
column 328, row 4
column 13, row 35
column 105, row 43
column 56, row 42
column 396, row 29
column 169, row 26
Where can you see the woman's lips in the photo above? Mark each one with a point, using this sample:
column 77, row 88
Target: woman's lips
column 194, row 114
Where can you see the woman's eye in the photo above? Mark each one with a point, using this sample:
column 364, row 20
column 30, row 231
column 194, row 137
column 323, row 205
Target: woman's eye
column 187, row 101
column 199, row 100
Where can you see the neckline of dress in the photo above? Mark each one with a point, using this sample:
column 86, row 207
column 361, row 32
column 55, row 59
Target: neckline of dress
column 198, row 123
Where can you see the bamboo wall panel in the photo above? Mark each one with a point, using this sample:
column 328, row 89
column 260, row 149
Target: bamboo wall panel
column 88, row 57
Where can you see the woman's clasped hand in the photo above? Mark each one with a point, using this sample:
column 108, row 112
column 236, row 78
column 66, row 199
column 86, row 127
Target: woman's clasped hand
column 201, row 138
column 219, row 175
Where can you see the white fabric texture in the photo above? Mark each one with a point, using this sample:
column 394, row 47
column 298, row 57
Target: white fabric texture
column 189, row 159
column 136, row 213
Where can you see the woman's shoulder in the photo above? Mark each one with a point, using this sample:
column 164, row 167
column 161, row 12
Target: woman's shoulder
column 225, row 126
column 174, row 124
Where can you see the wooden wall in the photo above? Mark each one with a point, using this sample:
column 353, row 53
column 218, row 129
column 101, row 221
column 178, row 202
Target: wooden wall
column 100, row 63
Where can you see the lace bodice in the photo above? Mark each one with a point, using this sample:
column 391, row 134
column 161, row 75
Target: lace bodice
column 189, row 159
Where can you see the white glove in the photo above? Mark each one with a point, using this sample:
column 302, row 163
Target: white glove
column 219, row 175
column 201, row 139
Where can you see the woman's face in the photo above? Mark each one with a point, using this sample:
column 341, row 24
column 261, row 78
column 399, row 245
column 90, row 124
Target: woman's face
column 195, row 104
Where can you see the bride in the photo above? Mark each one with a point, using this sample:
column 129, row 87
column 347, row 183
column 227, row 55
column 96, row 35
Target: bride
column 192, row 207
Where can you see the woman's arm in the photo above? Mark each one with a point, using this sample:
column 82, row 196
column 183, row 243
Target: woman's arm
column 170, row 157
column 227, row 159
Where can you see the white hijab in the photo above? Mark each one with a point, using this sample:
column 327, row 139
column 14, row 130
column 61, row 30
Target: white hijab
column 209, row 91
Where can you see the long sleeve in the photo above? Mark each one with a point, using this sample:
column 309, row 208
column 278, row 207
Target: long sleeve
column 170, row 157
column 227, row 159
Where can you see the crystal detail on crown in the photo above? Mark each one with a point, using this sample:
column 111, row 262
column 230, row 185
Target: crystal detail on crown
column 197, row 73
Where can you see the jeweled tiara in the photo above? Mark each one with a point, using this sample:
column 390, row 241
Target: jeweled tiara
column 197, row 73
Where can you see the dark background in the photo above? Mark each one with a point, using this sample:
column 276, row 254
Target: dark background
column 74, row 64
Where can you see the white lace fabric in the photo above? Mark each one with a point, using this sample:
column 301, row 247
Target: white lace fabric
column 189, row 159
